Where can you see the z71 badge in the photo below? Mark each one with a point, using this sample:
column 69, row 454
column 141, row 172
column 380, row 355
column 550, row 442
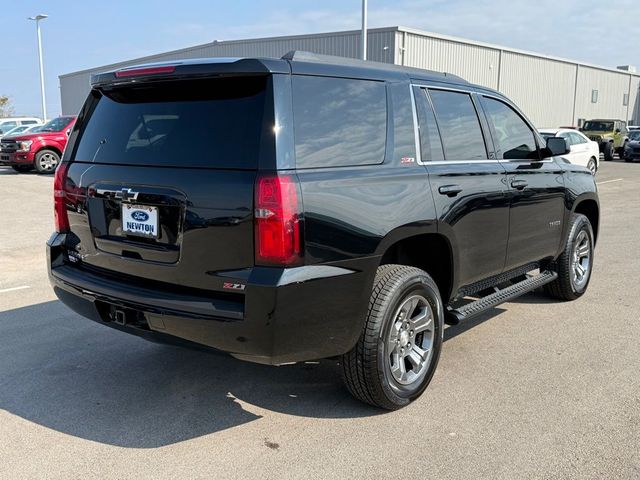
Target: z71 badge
column 233, row 286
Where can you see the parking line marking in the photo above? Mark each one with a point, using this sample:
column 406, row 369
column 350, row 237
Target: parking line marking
column 610, row 181
column 13, row 289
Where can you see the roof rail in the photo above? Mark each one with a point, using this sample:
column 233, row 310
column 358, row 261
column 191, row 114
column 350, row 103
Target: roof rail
column 303, row 56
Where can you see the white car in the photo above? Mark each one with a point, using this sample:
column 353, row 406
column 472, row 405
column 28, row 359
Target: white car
column 583, row 151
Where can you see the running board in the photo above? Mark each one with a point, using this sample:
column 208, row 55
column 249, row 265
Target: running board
column 455, row 316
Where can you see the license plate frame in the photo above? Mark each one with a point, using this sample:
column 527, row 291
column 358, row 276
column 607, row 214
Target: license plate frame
column 135, row 223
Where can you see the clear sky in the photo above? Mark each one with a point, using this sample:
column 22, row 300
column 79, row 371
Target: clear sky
column 86, row 33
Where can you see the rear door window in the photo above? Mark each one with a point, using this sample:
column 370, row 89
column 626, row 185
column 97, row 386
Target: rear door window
column 459, row 125
column 215, row 123
column 338, row 121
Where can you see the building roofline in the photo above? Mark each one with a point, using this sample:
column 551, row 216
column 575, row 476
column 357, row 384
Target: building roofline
column 149, row 58
column 415, row 31
column 528, row 53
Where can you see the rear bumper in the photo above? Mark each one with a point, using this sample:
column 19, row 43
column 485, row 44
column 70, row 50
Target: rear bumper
column 282, row 315
column 16, row 158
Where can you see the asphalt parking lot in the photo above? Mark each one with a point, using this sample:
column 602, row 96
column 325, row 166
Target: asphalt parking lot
column 533, row 389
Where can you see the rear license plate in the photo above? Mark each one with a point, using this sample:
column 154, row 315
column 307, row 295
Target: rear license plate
column 140, row 220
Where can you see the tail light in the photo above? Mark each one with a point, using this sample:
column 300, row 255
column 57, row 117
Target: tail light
column 59, row 196
column 278, row 225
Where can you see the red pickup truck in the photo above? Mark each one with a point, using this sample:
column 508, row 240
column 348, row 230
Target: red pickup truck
column 41, row 150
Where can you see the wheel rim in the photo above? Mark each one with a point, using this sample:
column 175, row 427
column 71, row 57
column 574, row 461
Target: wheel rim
column 409, row 343
column 581, row 260
column 592, row 166
column 48, row 161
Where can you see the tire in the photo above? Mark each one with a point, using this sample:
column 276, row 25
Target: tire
column 21, row 168
column 373, row 369
column 46, row 161
column 620, row 150
column 578, row 251
column 592, row 165
column 608, row 152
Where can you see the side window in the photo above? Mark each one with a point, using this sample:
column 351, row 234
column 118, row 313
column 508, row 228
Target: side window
column 577, row 139
column 567, row 136
column 29, row 122
column 338, row 122
column 6, row 126
column 514, row 138
column 430, row 144
column 459, row 126
column 404, row 139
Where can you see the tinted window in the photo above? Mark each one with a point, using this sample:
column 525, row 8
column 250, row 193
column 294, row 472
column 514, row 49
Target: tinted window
column 430, row 144
column 29, row 122
column 338, row 122
column 198, row 123
column 404, row 137
column 459, row 126
column 514, row 139
column 6, row 126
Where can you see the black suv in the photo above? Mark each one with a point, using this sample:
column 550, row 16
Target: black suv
column 309, row 207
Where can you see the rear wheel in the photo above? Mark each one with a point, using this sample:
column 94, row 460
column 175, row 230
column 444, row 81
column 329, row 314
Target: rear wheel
column 575, row 263
column 21, row 168
column 608, row 152
column 592, row 165
column 398, row 349
column 46, row 161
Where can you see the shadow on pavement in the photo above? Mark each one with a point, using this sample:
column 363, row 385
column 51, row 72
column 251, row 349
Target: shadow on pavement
column 66, row 373
column 69, row 374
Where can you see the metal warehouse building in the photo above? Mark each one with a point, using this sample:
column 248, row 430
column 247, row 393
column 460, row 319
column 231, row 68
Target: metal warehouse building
column 551, row 91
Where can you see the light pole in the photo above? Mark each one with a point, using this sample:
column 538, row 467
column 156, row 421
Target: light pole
column 363, row 39
column 37, row 19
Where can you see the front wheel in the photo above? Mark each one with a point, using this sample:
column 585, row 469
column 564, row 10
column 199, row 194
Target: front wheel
column 398, row 349
column 608, row 152
column 575, row 263
column 592, row 165
column 46, row 161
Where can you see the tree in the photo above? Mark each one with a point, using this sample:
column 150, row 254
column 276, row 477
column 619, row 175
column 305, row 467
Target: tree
column 6, row 108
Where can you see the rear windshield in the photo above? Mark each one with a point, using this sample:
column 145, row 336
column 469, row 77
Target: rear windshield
column 197, row 123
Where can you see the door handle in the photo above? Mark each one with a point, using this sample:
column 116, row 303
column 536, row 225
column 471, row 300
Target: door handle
column 519, row 184
column 450, row 190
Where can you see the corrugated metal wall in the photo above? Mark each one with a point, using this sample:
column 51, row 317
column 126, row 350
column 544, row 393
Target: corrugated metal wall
column 75, row 87
column 476, row 64
column 542, row 88
column 611, row 88
column 551, row 92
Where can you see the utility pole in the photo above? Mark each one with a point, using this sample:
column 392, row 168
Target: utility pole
column 363, row 39
column 37, row 19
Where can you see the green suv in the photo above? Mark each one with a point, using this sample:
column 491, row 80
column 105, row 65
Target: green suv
column 611, row 135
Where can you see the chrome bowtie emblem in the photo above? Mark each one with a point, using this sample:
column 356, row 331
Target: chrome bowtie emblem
column 127, row 194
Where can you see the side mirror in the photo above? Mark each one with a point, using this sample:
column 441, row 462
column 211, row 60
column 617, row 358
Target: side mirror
column 68, row 132
column 556, row 146
column 617, row 130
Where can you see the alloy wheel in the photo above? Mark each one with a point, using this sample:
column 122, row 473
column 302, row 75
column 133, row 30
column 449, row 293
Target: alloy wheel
column 409, row 343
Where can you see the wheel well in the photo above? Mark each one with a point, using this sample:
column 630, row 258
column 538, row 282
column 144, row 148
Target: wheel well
column 53, row 149
column 589, row 208
column 429, row 252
